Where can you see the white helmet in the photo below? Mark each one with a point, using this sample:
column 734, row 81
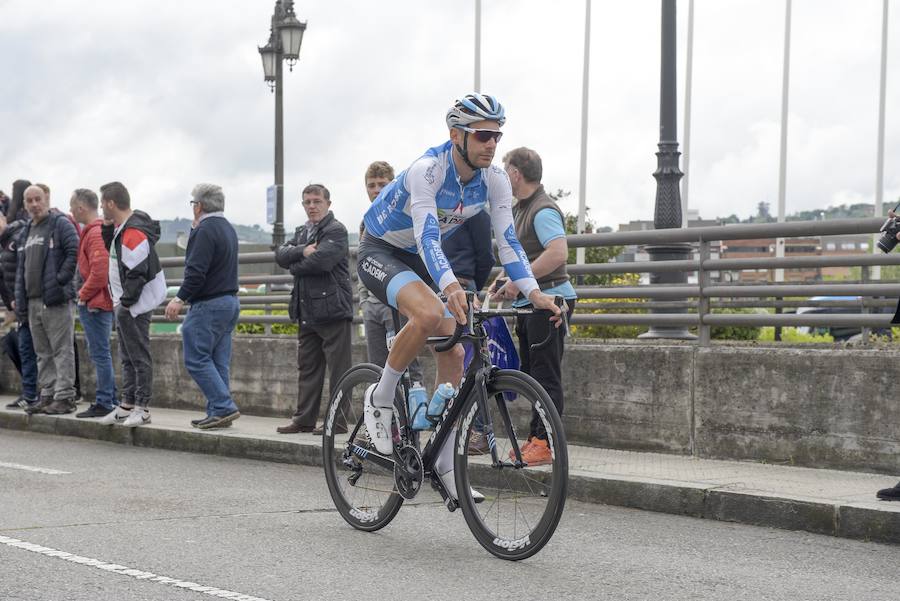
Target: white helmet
column 473, row 108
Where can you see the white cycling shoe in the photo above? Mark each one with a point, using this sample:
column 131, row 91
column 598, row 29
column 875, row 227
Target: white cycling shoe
column 378, row 423
column 443, row 465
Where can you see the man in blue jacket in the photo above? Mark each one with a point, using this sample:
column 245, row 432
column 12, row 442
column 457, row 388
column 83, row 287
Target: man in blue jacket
column 210, row 285
column 45, row 293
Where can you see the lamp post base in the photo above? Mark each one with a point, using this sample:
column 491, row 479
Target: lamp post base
column 668, row 252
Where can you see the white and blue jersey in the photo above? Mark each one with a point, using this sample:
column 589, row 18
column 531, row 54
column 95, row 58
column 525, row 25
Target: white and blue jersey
column 428, row 201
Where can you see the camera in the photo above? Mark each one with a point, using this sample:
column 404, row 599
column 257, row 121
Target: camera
column 889, row 230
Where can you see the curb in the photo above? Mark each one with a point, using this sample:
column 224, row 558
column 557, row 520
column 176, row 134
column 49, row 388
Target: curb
column 688, row 499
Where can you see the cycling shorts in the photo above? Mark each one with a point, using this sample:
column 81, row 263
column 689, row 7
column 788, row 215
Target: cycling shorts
column 384, row 269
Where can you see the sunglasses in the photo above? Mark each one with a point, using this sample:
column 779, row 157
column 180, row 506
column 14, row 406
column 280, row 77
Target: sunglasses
column 483, row 135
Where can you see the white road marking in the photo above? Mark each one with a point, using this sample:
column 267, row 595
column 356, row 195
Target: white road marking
column 126, row 571
column 29, row 468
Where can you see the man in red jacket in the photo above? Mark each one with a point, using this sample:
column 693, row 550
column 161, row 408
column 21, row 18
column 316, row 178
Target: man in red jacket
column 94, row 301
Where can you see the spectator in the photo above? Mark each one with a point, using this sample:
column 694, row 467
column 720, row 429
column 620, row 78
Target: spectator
column 378, row 318
column 322, row 303
column 94, row 300
column 210, row 285
column 138, row 286
column 4, row 203
column 45, row 271
column 540, row 229
column 20, row 344
column 77, row 227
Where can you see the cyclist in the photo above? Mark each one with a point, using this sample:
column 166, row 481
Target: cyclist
column 401, row 261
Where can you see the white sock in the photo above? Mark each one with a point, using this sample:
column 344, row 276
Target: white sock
column 383, row 396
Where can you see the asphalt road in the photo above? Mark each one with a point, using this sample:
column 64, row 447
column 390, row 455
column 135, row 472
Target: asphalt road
column 248, row 529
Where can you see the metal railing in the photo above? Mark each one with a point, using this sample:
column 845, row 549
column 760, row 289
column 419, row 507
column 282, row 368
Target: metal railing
column 692, row 305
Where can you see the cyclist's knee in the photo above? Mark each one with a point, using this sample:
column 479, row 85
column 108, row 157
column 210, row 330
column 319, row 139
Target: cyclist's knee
column 427, row 316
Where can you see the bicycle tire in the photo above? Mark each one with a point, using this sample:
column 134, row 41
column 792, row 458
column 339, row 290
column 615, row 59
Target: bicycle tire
column 539, row 491
column 365, row 511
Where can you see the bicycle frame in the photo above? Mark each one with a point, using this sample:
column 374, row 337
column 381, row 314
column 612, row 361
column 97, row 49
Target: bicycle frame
column 478, row 376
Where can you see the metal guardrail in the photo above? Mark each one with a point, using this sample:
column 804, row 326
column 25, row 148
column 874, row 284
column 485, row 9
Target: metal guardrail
column 696, row 303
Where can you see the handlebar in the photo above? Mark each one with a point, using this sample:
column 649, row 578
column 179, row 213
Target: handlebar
column 461, row 329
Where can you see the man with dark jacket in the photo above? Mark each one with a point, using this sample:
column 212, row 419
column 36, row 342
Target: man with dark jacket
column 18, row 344
column 138, row 286
column 321, row 303
column 210, row 285
column 469, row 250
column 45, row 292
column 94, row 300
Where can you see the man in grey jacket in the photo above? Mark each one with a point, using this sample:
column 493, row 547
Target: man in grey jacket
column 45, row 290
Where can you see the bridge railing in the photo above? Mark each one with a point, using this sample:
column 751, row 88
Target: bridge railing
column 696, row 305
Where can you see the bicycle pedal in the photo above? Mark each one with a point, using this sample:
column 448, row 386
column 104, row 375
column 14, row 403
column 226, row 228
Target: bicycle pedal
column 452, row 505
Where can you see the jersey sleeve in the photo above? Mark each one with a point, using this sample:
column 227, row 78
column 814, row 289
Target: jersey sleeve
column 423, row 179
column 512, row 255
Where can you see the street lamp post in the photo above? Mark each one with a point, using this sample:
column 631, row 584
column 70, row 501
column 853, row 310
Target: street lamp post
column 667, row 213
column 285, row 38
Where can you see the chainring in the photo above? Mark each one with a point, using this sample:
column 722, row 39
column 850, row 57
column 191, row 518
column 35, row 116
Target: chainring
column 408, row 471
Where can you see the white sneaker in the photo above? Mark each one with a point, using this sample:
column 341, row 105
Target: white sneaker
column 443, row 465
column 116, row 416
column 139, row 417
column 378, row 423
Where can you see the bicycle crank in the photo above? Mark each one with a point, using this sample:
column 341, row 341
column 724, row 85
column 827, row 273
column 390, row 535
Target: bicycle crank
column 408, row 471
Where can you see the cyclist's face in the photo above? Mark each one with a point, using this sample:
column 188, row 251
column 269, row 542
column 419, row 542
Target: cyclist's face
column 374, row 186
column 480, row 153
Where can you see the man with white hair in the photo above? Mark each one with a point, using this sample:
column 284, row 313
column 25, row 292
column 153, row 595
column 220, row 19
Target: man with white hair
column 210, row 285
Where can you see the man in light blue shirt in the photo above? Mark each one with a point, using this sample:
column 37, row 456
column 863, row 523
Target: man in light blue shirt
column 539, row 228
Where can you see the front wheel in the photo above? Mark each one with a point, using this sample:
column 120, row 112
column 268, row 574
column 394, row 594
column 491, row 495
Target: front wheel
column 363, row 492
column 523, row 504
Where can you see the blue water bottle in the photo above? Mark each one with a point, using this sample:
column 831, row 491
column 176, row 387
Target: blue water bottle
column 443, row 394
column 418, row 406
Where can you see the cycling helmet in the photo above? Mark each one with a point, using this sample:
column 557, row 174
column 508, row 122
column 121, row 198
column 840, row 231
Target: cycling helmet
column 475, row 107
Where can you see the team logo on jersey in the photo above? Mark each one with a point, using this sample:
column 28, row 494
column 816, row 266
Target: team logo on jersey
column 450, row 217
column 429, row 173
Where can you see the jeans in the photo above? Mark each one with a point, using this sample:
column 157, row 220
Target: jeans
column 206, row 334
column 29, row 363
column 97, row 329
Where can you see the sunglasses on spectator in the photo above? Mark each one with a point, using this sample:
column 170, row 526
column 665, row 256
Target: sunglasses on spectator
column 483, row 135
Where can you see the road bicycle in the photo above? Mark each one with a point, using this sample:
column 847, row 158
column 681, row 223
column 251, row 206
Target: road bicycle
column 521, row 505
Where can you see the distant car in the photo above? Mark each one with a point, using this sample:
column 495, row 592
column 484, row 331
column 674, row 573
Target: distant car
column 840, row 333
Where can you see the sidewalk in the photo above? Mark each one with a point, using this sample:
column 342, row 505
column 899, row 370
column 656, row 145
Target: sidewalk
column 815, row 500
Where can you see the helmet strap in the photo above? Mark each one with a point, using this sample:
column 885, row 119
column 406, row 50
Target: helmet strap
column 464, row 151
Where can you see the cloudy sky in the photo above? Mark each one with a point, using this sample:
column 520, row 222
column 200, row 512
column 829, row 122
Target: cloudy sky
column 162, row 94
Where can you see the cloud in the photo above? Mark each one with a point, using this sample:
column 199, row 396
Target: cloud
column 162, row 94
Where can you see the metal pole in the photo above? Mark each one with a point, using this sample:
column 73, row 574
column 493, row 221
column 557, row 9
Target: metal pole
column 668, row 195
column 688, row 78
column 782, row 168
column 477, row 46
column 585, row 88
column 879, row 163
column 278, row 228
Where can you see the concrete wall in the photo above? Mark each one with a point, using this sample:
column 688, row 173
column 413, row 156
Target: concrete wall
column 803, row 406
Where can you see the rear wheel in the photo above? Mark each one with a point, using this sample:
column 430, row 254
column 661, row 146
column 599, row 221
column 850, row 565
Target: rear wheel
column 363, row 492
column 523, row 504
